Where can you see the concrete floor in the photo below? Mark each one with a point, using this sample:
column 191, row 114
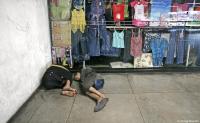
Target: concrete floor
column 133, row 98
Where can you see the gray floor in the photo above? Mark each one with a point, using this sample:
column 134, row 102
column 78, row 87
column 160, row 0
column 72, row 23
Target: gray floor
column 133, row 98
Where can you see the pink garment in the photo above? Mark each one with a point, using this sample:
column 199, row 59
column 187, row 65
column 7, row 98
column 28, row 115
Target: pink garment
column 140, row 14
column 180, row 7
column 136, row 45
column 144, row 2
column 139, row 23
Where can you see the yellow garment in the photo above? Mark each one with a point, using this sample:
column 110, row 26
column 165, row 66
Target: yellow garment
column 78, row 20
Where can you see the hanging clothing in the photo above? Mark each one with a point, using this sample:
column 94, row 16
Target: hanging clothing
column 139, row 9
column 96, row 34
column 78, row 20
column 98, row 37
column 158, row 47
column 118, row 39
column 171, row 47
column 126, row 56
column 97, row 7
column 126, row 2
column 60, row 9
column 139, row 16
column 136, row 45
column 93, row 42
column 192, row 38
column 176, row 47
column 180, row 49
column 147, row 40
column 114, row 52
column 79, row 46
column 78, row 4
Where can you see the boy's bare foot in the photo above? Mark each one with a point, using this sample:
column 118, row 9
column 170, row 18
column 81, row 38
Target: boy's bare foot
column 70, row 89
column 68, row 93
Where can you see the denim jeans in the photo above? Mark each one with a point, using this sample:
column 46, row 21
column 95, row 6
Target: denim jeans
column 79, row 46
column 180, row 49
column 93, row 43
column 193, row 39
column 126, row 56
column 171, row 47
column 112, row 51
column 78, row 4
column 97, row 32
column 97, row 7
column 158, row 46
column 176, row 45
column 198, row 55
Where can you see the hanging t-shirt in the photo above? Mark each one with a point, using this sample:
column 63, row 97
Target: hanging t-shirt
column 126, row 14
column 139, row 16
column 139, row 9
column 118, row 39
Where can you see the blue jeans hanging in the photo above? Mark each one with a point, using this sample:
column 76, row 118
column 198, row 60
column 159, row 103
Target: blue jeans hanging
column 93, row 43
column 79, row 46
column 171, row 47
column 193, row 39
column 158, row 46
column 127, row 57
column 115, row 52
column 96, row 32
column 180, row 49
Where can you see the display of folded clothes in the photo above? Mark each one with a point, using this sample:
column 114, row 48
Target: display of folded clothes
column 120, row 64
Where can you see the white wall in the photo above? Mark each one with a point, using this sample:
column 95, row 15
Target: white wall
column 24, row 51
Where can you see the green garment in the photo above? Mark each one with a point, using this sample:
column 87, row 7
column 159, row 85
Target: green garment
column 62, row 11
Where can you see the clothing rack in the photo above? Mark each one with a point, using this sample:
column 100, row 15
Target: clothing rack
column 127, row 24
column 122, row 27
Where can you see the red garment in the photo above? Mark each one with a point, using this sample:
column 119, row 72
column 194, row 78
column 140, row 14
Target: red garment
column 180, row 7
column 136, row 45
column 118, row 11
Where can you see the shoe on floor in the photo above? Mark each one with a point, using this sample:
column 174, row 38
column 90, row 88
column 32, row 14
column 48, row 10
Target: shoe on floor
column 100, row 105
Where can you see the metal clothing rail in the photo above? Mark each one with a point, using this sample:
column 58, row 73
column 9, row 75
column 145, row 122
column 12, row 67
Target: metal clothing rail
column 143, row 70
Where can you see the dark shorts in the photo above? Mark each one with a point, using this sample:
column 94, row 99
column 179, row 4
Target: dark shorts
column 85, row 86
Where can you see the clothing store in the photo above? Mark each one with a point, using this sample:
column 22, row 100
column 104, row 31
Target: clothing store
column 117, row 35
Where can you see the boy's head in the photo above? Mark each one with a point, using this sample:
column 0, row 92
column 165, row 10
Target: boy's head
column 77, row 76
